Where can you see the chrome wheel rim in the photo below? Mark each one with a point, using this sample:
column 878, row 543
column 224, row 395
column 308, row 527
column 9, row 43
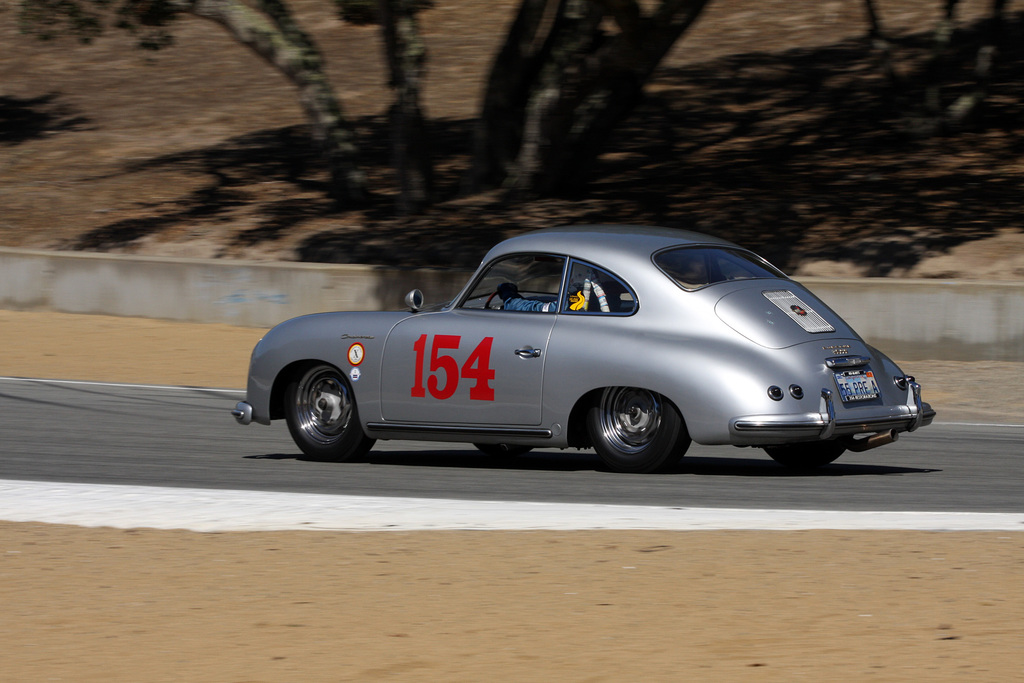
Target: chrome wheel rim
column 630, row 418
column 323, row 405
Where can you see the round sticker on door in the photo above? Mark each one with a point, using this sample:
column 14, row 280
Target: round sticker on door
column 356, row 353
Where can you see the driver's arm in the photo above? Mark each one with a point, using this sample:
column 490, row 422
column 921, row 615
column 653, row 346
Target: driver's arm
column 514, row 301
column 521, row 304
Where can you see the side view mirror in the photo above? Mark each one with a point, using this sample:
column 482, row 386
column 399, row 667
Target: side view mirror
column 414, row 300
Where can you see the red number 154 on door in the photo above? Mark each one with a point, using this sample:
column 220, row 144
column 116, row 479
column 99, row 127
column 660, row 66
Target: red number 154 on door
column 477, row 368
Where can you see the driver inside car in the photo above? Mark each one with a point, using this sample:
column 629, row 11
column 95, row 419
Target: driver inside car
column 514, row 301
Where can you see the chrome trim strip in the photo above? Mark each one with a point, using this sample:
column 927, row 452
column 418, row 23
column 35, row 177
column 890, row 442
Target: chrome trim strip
column 537, row 432
column 847, row 361
column 811, row 423
column 757, row 426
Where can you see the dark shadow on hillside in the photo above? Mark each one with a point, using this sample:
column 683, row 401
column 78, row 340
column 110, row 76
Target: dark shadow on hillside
column 23, row 119
column 232, row 173
column 808, row 154
column 802, row 154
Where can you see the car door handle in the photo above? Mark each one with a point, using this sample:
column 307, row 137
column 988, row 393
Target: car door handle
column 527, row 352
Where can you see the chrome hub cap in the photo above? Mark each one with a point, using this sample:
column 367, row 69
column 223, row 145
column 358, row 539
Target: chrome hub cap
column 630, row 418
column 324, row 405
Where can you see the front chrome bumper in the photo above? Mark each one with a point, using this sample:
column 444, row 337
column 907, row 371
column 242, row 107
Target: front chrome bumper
column 242, row 413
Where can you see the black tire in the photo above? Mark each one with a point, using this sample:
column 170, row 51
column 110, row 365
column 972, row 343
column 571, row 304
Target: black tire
column 636, row 430
column 321, row 413
column 806, row 456
column 502, row 449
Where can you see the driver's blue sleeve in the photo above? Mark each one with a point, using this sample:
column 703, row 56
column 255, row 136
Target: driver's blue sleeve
column 520, row 304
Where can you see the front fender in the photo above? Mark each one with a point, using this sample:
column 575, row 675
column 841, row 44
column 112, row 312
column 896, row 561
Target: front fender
column 326, row 338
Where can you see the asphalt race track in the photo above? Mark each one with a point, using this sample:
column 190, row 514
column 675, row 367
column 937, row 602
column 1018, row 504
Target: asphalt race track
column 56, row 431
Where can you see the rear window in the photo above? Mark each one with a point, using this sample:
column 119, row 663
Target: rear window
column 696, row 267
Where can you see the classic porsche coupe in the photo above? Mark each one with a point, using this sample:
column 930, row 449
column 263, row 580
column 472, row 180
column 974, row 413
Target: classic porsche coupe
column 629, row 340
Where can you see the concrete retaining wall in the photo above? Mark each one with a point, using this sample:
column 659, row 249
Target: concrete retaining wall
column 931, row 319
column 908, row 319
column 201, row 290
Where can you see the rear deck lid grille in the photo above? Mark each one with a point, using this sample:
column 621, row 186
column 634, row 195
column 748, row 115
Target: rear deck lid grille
column 805, row 316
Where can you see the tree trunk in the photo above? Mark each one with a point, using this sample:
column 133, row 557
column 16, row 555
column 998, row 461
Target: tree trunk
column 937, row 62
column 937, row 118
column 499, row 130
column 559, row 81
column 880, row 41
column 583, row 85
column 966, row 105
column 406, row 56
column 281, row 42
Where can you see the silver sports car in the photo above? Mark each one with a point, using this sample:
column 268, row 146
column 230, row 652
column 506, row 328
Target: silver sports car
column 633, row 341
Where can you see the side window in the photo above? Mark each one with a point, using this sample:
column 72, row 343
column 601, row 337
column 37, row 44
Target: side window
column 593, row 290
column 528, row 282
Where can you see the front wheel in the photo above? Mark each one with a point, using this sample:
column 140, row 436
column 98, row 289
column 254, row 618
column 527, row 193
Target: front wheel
column 636, row 430
column 321, row 413
column 806, row 455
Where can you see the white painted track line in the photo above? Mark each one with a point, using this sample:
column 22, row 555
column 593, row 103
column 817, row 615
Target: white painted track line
column 211, row 510
column 124, row 385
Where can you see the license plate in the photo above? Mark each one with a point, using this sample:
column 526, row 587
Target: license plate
column 856, row 385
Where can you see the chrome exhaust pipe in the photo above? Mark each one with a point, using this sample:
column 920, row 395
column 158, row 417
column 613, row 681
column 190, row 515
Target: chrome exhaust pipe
column 873, row 441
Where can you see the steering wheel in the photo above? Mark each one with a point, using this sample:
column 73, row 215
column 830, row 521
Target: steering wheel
column 487, row 304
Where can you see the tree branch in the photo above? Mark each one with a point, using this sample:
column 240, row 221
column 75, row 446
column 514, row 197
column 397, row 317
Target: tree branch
column 274, row 36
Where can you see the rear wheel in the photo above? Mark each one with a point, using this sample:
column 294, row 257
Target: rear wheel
column 322, row 417
column 502, row 449
column 636, row 430
column 806, row 455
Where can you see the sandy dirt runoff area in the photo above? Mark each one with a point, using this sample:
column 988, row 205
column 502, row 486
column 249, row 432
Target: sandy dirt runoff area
column 100, row 604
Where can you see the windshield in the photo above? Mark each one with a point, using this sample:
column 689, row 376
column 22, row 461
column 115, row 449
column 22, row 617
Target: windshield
column 696, row 267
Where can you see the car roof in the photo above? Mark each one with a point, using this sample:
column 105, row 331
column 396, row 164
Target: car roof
column 603, row 242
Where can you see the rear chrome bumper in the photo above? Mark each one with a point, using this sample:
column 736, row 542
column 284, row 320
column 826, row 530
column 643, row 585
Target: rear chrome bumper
column 242, row 413
column 775, row 429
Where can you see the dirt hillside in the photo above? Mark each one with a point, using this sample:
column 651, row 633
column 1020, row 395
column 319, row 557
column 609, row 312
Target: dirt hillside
column 769, row 124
